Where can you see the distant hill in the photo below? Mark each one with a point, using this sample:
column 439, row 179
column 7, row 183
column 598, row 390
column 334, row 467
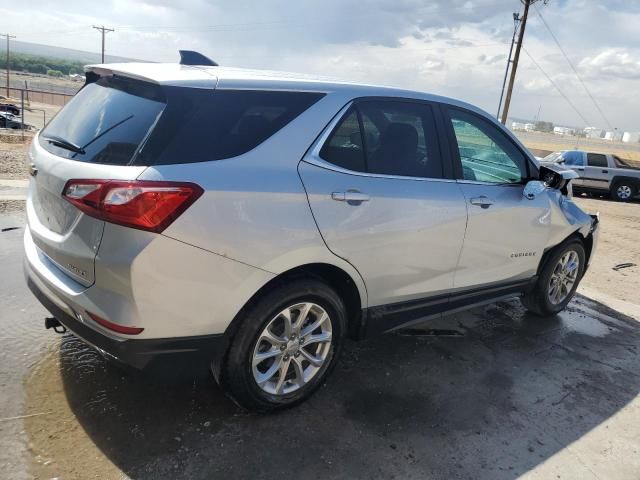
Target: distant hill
column 65, row 53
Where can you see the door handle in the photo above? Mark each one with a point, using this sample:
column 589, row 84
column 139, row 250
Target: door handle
column 580, row 169
column 350, row 196
column 482, row 201
column 605, row 171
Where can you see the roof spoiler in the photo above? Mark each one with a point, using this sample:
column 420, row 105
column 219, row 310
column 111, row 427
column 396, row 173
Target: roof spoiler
column 189, row 57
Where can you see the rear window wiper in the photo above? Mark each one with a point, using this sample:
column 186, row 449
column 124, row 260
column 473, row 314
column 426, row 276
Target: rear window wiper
column 62, row 143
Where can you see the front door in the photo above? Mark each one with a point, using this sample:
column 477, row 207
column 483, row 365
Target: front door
column 385, row 201
column 596, row 175
column 506, row 232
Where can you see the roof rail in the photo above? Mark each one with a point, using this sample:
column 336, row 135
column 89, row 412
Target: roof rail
column 189, row 57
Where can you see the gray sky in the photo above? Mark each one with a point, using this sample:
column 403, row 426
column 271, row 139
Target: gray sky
column 456, row 48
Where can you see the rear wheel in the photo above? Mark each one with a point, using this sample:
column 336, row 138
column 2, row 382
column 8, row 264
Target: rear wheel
column 623, row 191
column 285, row 346
column 558, row 280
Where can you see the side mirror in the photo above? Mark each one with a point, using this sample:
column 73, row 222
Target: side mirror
column 555, row 176
column 533, row 188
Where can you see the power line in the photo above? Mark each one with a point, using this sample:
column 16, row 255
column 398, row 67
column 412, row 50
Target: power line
column 564, row 54
column 103, row 30
column 556, row 87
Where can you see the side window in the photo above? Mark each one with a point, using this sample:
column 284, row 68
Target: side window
column 486, row 154
column 400, row 139
column 344, row 146
column 573, row 158
column 597, row 160
column 201, row 124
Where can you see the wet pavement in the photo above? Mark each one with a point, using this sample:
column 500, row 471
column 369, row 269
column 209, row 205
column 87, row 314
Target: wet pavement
column 498, row 394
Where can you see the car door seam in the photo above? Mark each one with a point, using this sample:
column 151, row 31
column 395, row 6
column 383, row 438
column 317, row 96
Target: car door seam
column 320, row 231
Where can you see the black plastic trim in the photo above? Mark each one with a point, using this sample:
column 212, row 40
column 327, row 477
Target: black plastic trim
column 383, row 318
column 137, row 353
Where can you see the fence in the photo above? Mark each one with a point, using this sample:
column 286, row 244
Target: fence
column 40, row 96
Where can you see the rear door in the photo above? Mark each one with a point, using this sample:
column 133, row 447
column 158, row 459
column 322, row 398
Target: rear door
column 385, row 201
column 95, row 136
column 506, row 232
column 596, row 173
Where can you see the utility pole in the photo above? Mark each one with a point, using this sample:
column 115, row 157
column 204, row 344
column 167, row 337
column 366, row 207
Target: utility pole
column 512, row 78
column 9, row 37
column 103, row 30
column 516, row 22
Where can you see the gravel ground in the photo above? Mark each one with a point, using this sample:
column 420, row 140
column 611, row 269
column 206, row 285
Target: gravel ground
column 13, row 161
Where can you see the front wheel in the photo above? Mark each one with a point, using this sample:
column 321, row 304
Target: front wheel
column 558, row 280
column 285, row 346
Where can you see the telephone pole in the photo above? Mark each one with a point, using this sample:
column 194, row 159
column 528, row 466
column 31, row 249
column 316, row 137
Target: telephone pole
column 514, row 67
column 103, row 30
column 9, row 37
column 516, row 22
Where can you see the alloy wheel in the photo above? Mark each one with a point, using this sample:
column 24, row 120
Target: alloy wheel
column 292, row 348
column 623, row 192
column 564, row 276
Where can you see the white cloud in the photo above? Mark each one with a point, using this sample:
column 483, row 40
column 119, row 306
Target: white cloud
column 616, row 63
column 450, row 47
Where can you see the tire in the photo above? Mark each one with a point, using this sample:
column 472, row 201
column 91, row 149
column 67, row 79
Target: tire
column 540, row 300
column 623, row 191
column 239, row 375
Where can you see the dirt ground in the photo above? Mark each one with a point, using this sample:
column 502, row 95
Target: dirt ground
column 13, row 161
column 619, row 243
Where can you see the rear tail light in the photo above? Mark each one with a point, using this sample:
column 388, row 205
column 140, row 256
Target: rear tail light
column 145, row 205
column 114, row 327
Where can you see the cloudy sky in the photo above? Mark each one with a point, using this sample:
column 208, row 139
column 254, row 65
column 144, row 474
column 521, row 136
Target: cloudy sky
column 456, row 48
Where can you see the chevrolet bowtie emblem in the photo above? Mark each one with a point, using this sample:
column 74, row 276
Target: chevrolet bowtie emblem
column 33, row 171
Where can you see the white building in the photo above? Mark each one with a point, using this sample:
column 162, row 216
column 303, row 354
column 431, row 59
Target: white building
column 518, row 126
column 563, row 131
column 593, row 132
column 613, row 136
column 631, row 137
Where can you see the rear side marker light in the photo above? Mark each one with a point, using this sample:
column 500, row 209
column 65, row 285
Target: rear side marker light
column 145, row 205
column 114, row 327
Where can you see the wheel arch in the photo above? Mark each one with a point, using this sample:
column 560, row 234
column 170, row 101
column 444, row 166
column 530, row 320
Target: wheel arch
column 635, row 182
column 337, row 278
column 585, row 240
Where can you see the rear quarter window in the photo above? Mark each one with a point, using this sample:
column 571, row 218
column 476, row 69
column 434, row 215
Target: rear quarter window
column 201, row 125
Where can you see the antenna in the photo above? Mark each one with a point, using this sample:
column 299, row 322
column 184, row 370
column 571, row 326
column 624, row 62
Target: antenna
column 189, row 57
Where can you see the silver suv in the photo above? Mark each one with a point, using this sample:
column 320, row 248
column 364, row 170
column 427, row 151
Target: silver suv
column 250, row 221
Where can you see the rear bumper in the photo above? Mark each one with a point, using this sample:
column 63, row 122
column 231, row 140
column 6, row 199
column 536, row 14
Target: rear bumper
column 200, row 351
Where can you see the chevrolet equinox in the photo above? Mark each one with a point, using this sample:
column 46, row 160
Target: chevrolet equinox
column 251, row 220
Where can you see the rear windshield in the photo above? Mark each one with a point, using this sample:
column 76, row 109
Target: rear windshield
column 122, row 122
column 107, row 120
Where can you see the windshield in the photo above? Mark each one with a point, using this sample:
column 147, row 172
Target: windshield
column 553, row 157
column 105, row 122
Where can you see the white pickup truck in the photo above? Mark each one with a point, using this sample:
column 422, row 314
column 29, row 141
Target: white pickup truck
column 599, row 173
